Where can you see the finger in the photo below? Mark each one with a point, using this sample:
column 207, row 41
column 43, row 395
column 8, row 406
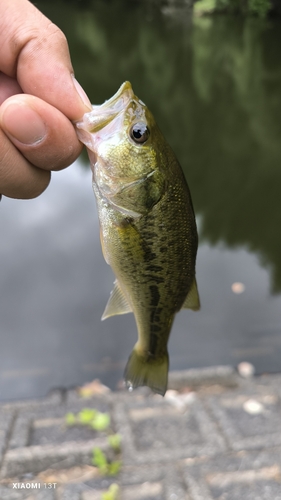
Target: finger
column 18, row 178
column 36, row 52
column 40, row 132
column 8, row 87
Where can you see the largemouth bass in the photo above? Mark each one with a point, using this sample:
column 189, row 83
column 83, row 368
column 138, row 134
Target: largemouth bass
column 147, row 227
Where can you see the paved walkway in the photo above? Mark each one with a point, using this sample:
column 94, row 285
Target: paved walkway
column 215, row 436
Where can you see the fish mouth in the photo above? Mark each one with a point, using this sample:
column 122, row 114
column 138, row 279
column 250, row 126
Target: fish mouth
column 119, row 99
column 104, row 120
column 101, row 115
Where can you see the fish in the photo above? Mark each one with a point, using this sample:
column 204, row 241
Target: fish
column 147, row 228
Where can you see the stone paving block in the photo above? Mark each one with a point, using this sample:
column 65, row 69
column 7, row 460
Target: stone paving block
column 40, row 437
column 168, row 476
column 145, row 491
column 174, row 485
column 153, row 430
column 47, row 431
column 268, row 382
column 54, row 398
column 170, row 451
column 101, row 402
column 26, row 419
column 249, row 419
column 8, row 493
column 47, row 425
column 92, row 495
column 93, row 489
column 6, row 422
column 131, row 474
column 20, row 433
column 225, row 376
column 38, row 458
column 247, row 476
column 136, row 483
column 165, row 480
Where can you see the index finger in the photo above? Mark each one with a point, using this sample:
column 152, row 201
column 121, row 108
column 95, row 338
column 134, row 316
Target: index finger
column 35, row 51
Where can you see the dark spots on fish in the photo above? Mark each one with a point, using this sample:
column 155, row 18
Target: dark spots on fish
column 148, row 254
column 154, row 329
column 155, row 295
column 155, row 315
column 153, row 343
column 151, row 235
column 155, row 320
column 153, row 268
column 154, row 278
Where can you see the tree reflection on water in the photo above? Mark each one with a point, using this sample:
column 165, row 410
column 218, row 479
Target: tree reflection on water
column 213, row 85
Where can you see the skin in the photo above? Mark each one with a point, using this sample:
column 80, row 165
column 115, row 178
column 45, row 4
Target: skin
column 37, row 87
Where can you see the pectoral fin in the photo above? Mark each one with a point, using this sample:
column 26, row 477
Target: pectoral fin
column 117, row 303
column 103, row 248
column 192, row 300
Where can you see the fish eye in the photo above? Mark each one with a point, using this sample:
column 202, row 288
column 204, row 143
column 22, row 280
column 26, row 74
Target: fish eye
column 139, row 133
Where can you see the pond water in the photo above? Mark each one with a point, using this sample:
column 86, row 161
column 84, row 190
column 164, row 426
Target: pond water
column 213, row 85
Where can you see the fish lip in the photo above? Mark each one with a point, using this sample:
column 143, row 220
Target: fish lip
column 125, row 92
column 102, row 114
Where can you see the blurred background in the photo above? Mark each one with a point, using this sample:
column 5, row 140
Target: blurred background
column 213, row 84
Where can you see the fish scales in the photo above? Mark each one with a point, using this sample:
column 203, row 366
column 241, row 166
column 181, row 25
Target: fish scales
column 148, row 228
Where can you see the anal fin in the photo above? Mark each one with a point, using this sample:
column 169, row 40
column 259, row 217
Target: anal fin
column 117, row 303
column 192, row 300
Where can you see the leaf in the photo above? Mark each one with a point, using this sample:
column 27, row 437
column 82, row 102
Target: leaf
column 87, row 415
column 114, row 468
column 112, row 493
column 99, row 459
column 101, row 421
column 114, row 441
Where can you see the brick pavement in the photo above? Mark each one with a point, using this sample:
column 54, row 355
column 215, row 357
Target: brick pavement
column 215, row 436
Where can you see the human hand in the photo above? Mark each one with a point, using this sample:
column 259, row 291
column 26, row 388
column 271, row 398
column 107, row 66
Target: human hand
column 38, row 99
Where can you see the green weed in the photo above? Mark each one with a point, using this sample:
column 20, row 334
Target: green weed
column 92, row 418
column 112, row 493
column 106, row 468
column 114, row 441
column 99, row 422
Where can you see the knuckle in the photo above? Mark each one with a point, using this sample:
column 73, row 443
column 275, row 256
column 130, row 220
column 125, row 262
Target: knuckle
column 32, row 40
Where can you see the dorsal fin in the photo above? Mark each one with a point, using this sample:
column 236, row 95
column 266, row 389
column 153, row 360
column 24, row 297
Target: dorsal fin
column 117, row 303
column 192, row 300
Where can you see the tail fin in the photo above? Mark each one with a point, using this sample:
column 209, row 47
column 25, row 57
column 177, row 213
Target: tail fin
column 142, row 370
